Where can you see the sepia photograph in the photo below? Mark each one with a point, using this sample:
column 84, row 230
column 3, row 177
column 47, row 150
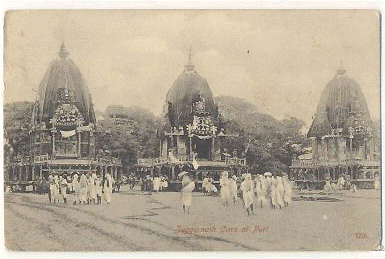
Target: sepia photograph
column 192, row 130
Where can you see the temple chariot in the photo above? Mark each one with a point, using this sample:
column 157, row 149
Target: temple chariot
column 191, row 135
column 344, row 139
column 63, row 134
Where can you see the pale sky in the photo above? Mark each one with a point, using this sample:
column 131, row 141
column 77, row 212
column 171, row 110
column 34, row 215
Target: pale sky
column 132, row 57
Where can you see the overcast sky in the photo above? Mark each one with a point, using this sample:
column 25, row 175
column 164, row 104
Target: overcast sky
column 278, row 60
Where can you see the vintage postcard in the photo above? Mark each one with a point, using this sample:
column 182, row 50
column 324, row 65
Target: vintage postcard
column 192, row 130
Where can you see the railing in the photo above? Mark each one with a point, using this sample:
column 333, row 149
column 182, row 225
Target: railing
column 41, row 158
column 350, row 161
column 113, row 160
column 142, row 161
column 21, row 159
column 235, row 161
column 163, row 160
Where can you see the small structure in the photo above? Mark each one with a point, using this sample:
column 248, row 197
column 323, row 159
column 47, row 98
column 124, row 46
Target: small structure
column 344, row 139
column 191, row 135
column 62, row 137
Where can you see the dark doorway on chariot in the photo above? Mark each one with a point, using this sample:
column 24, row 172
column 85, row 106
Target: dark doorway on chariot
column 202, row 148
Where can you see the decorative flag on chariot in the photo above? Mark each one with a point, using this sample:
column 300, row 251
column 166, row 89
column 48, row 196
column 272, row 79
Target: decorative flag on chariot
column 67, row 134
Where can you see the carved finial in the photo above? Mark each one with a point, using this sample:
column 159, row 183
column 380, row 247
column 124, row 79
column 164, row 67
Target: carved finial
column 63, row 53
column 190, row 66
column 341, row 70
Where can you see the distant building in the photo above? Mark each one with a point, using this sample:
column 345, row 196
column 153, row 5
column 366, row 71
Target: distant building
column 343, row 139
column 62, row 136
column 191, row 136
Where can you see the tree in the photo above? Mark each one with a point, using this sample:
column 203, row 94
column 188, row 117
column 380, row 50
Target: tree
column 17, row 123
column 267, row 143
column 128, row 133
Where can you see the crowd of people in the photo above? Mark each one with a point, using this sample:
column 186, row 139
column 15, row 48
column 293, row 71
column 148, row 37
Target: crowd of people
column 84, row 188
column 258, row 191
column 263, row 190
column 147, row 183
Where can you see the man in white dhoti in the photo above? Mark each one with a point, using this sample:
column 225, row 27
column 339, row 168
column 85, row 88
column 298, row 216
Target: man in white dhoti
column 54, row 188
column 274, row 193
column 156, row 183
column 92, row 188
column 211, row 188
column 247, row 188
column 233, row 188
column 76, row 188
column 187, row 187
column 377, row 183
column 83, row 189
column 269, row 187
column 69, row 184
column 225, row 188
column 204, row 184
column 163, row 183
column 63, row 188
column 287, row 193
column 333, row 186
column 99, row 190
column 279, row 192
column 261, row 191
column 88, row 188
column 341, row 183
column 327, row 185
column 51, row 181
column 108, row 188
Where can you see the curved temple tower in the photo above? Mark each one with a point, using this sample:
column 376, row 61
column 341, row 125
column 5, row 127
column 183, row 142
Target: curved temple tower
column 63, row 131
column 343, row 138
column 191, row 135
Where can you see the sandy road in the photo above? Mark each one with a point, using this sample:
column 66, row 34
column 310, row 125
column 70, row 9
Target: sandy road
column 136, row 221
column 38, row 226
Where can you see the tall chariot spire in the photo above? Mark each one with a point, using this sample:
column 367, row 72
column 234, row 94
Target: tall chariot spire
column 190, row 66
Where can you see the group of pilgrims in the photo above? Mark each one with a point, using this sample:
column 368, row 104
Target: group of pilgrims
column 258, row 191
column 263, row 190
column 86, row 188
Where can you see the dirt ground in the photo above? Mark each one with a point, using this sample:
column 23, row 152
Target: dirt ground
column 138, row 221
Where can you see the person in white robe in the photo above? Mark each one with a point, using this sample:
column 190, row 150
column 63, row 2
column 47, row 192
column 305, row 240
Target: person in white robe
column 63, row 188
column 89, row 188
column 51, row 193
column 83, row 189
column 327, row 185
column 341, row 183
column 377, row 182
column 108, row 183
column 247, row 188
column 69, row 184
column 163, row 184
column 204, row 184
column 187, row 187
column 76, row 188
column 261, row 190
column 287, row 190
column 269, row 187
column 92, row 188
column 99, row 190
column 211, row 188
column 55, row 189
column 274, row 193
column 225, row 188
column 156, row 183
column 233, row 188
column 279, row 192
column 333, row 186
